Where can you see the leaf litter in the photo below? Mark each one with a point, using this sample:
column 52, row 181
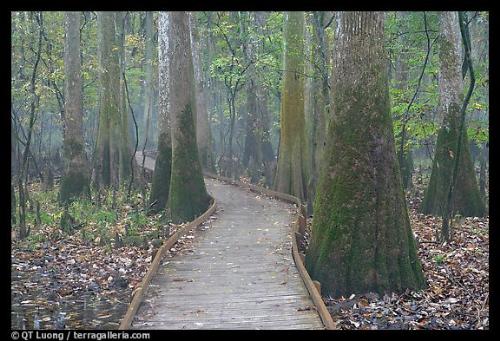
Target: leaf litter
column 66, row 281
column 457, row 276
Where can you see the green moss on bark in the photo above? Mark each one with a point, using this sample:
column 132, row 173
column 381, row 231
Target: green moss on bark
column 161, row 177
column 74, row 184
column 104, row 157
column 291, row 172
column 188, row 197
column 361, row 235
column 362, row 239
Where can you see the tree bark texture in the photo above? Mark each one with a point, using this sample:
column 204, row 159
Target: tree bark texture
column 291, row 173
column 252, row 152
column 162, row 173
column 361, row 235
column 320, row 101
column 188, row 196
column 125, row 148
column 108, row 154
column 75, row 181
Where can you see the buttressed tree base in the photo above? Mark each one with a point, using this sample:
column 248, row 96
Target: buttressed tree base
column 361, row 235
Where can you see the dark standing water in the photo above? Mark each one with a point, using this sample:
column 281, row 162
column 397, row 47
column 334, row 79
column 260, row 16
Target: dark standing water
column 35, row 307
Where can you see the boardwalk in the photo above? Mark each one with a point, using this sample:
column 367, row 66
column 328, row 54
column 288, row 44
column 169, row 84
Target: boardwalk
column 239, row 273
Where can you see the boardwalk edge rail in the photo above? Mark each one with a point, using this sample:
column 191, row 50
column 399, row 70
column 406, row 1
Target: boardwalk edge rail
column 298, row 228
column 140, row 292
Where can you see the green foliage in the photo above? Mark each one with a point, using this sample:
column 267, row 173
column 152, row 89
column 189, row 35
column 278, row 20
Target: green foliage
column 33, row 241
column 137, row 220
column 46, row 218
column 98, row 224
column 227, row 66
column 407, row 43
column 49, row 82
column 479, row 134
column 406, row 38
column 439, row 259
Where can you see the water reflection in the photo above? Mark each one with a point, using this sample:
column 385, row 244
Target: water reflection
column 34, row 308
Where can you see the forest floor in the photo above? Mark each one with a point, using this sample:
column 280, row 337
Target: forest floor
column 457, row 275
column 84, row 278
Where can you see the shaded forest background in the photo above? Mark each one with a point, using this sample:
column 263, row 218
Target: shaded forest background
column 239, row 54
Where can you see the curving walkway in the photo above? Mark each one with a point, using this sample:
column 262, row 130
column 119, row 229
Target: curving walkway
column 238, row 274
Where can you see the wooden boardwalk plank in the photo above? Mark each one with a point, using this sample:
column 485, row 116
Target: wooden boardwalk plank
column 216, row 318
column 244, row 326
column 239, row 273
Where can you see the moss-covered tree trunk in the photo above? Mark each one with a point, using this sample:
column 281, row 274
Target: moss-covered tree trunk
column 108, row 139
column 188, row 196
column 291, row 173
column 361, row 235
column 466, row 198
column 320, row 100
column 76, row 179
column 161, row 176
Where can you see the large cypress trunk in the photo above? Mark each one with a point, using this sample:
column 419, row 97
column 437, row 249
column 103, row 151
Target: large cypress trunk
column 361, row 235
column 76, row 177
column 161, row 176
column 188, row 196
column 291, row 171
column 466, row 198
